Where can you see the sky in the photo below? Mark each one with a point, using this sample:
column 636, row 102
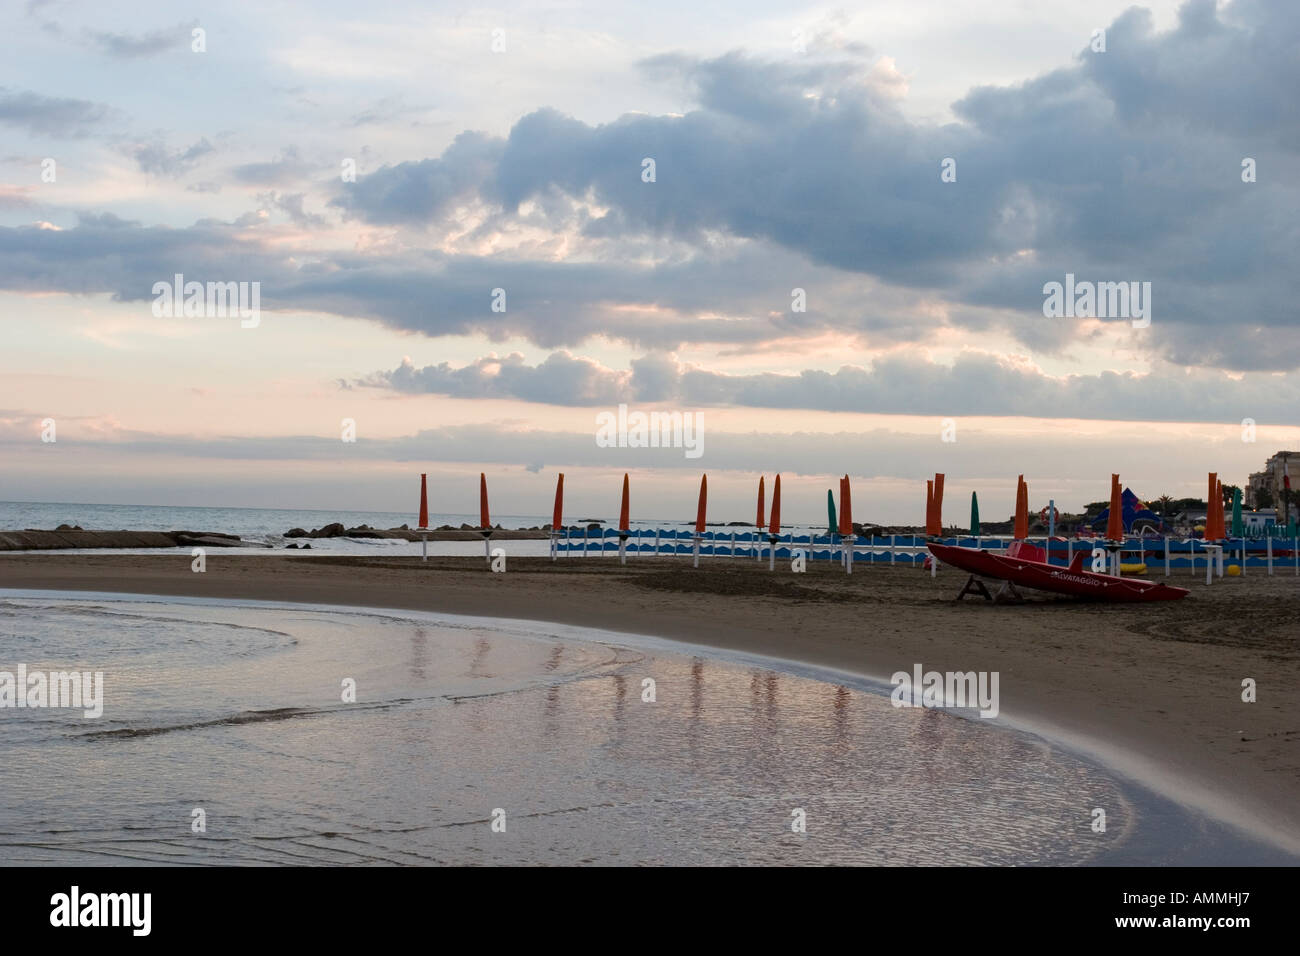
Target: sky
column 825, row 232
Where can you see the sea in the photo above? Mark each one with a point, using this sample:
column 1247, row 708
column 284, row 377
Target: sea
column 261, row 733
column 262, row 528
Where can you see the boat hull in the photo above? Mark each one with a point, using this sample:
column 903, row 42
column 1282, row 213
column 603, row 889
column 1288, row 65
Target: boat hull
column 1048, row 577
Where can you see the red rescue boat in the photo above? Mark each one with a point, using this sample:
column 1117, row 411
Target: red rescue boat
column 1026, row 568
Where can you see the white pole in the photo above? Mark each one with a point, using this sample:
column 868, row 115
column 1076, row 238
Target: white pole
column 893, row 538
column 1069, row 551
column 1209, row 566
column 586, row 533
column 1166, row 555
column 1243, row 556
column 848, row 553
column 771, row 560
column 424, row 546
column 622, row 549
column 697, row 550
column 1270, row 555
column 733, row 544
column 658, row 549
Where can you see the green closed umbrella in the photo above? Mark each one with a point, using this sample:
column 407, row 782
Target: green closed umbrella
column 974, row 515
column 1237, row 528
column 832, row 525
column 1290, row 527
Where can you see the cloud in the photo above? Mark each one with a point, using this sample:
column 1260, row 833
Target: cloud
column 50, row 115
column 157, row 159
column 1122, row 166
column 287, row 170
column 127, row 46
column 975, row 384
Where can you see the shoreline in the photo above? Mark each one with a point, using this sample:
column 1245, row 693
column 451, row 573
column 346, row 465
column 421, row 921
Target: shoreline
column 1151, row 695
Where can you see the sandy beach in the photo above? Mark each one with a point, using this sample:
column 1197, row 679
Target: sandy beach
column 1154, row 689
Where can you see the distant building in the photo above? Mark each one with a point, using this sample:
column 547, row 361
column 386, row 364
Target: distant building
column 1270, row 479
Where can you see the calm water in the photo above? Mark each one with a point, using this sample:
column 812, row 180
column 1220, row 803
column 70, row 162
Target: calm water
column 237, row 710
column 264, row 526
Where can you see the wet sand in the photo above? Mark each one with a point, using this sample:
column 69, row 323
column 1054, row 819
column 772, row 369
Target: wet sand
column 1153, row 689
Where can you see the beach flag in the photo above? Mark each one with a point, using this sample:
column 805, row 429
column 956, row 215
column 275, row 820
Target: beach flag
column 623, row 511
column 832, row 523
column 929, row 505
column 699, row 511
column 974, row 515
column 1021, row 531
column 556, row 517
column 846, row 507
column 934, row 523
column 424, row 503
column 1115, row 521
column 484, row 522
column 759, row 520
column 775, row 528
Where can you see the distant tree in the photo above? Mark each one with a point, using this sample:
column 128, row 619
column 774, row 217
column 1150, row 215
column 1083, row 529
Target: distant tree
column 1165, row 502
column 1227, row 493
column 1263, row 498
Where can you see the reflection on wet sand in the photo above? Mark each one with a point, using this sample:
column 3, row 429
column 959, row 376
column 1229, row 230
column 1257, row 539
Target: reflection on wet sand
column 707, row 773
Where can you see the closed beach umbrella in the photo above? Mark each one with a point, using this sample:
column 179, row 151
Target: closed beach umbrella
column 934, row 525
column 759, row 521
column 559, row 503
column 699, row 511
column 424, row 503
column 1210, row 532
column 775, row 527
column 974, row 515
column 1115, row 523
column 846, row 507
column 929, row 504
column 623, row 523
column 484, row 521
column 1220, row 528
column 1022, row 510
column 832, row 523
column 1238, row 529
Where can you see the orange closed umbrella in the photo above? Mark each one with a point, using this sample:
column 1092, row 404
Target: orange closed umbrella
column 623, row 524
column 424, row 503
column 556, row 521
column 484, row 522
column 929, row 505
column 1115, row 522
column 1022, row 510
column 699, row 511
column 1211, row 529
column 759, row 522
